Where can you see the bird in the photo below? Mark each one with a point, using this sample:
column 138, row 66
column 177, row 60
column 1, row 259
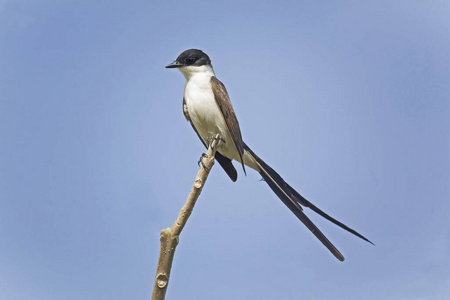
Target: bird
column 207, row 106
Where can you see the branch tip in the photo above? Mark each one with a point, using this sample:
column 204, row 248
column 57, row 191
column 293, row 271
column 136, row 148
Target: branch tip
column 169, row 237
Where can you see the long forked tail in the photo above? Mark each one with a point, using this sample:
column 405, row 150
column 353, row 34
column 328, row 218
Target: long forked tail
column 292, row 199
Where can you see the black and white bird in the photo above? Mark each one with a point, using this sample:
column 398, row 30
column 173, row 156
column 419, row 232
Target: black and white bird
column 207, row 106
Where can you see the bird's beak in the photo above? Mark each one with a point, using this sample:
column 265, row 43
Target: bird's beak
column 175, row 64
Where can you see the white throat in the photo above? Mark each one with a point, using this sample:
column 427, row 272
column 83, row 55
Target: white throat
column 191, row 71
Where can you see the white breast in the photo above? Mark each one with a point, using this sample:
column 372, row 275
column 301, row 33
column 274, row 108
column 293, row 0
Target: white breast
column 205, row 114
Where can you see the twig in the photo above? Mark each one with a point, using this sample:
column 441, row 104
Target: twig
column 169, row 236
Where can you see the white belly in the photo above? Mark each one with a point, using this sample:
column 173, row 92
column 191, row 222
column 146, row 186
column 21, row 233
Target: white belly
column 205, row 114
column 207, row 117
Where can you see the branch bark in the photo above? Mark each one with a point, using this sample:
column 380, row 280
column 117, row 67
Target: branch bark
column 170, row 236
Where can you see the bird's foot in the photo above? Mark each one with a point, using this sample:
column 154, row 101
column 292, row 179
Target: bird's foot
column 200, row 161
column 213, row 138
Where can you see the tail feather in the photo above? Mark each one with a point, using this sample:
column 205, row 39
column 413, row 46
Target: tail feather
column 292, row 199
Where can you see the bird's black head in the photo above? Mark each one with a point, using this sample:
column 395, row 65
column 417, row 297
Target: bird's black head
column 191, row 57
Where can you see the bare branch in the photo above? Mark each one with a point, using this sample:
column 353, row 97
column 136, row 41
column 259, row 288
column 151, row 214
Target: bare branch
column 169, row 237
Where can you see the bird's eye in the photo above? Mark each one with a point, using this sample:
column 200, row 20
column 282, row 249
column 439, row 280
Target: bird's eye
column 191, row 60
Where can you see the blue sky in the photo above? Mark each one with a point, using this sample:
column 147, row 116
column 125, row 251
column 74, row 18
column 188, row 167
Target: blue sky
column 348, row 100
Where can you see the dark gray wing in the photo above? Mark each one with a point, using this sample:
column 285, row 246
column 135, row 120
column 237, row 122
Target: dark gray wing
column 224, row 103
column 225, row 162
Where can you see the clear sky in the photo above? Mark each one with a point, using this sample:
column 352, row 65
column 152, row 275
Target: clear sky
column 348, row 100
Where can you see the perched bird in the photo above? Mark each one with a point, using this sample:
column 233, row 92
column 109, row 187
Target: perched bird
column 207, row 106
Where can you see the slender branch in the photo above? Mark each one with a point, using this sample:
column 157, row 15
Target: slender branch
column 169, row 236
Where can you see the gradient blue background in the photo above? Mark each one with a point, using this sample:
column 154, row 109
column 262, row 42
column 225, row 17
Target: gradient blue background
column 348, row 100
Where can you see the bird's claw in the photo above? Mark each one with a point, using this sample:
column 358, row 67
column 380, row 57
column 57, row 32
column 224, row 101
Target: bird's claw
column 200, row 161
column 212, row 138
